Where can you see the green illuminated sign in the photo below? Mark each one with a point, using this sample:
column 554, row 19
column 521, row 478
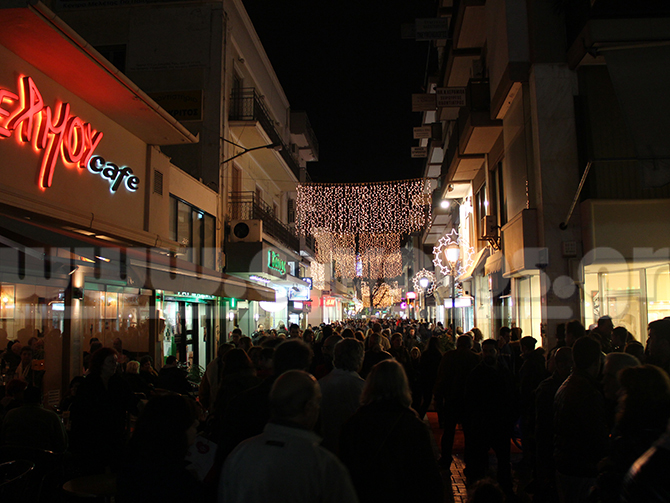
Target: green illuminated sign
column 276, row 263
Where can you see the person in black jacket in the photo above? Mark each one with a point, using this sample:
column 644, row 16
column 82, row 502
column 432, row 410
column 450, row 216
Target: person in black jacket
column 154, row 467
column 99, row 412
column 386, row 446
column 490, row 412
column 172, row 378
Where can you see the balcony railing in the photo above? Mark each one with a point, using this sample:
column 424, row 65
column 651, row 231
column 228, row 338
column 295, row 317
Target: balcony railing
column 246, row 206
column 246, row 105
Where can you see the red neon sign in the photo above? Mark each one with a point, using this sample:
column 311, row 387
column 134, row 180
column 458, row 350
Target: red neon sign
column 59, row 133
column 329, row 302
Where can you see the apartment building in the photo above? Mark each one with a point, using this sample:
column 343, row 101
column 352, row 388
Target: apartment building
column 553, row 161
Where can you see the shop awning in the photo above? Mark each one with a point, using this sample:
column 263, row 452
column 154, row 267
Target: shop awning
column 477, row 264
column 494, row 263
column 138, row 267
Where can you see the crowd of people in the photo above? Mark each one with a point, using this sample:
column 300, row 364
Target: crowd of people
column 338, row 413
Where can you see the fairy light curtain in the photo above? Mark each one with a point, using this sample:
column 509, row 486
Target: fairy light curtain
column 399, row 207
column 364, row 222
column 380, row 255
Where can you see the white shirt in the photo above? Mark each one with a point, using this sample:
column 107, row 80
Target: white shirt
column 284, row 465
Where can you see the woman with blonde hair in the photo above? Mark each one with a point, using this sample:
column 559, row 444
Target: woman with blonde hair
column 386, row 446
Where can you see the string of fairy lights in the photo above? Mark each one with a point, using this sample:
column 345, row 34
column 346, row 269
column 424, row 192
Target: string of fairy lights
column 397, row 207
column 318, row 275
column 359, row 226
column 380, row 255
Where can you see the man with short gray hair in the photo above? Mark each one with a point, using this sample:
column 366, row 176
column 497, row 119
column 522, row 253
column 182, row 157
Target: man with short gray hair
column 341, row 390
column 286, row 462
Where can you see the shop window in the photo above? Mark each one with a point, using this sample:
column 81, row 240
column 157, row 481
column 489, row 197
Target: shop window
column 209, row 242
column 658, row 292
column 26, row 311
column 185, row 228
column 197, row 239
column 497, row 207
column 7, row 301
column 622, row 300
column 617, row 294
column 110, row 312
column 195, row 231
column 529, row 306
column 481, row 205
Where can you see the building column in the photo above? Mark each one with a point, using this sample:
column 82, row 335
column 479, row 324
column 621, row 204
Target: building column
column 556, row 173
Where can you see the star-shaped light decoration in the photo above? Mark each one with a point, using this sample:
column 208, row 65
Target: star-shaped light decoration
column 465, row 258
column 424, row 273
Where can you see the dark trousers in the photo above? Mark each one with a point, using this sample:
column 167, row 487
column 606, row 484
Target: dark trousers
column 449, row 421
column 478, row 440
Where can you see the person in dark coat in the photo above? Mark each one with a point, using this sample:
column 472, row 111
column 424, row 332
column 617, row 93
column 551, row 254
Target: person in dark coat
column 154, row 467
column 430, row 362
column 544, row 425
column 386, row 447
column 581, row 429
column 172, row 378
column 490, row 412
column 648, row 480
column 644, row 410
column 99, row 412
column 374, row 354
column 531, row 374
column 452, row 375
column 247, row 414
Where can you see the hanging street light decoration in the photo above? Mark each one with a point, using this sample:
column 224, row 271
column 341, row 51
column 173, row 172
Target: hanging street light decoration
column 318, row 276
column 372, row 216
column 398, row 207
column 380, row 256
column 424, row 280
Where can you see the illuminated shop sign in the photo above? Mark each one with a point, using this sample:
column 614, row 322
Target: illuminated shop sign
column 276, row 263
column 114, row 174
column 329, row 302
column 202, row 296
column 56, row 134
column 259, row 279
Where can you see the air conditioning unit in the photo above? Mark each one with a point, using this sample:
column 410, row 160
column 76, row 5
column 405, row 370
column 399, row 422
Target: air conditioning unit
column 490, row 227
column 247, row 231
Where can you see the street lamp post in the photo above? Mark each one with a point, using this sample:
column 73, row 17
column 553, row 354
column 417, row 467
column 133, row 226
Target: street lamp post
column 424, row 283
column 453, row 253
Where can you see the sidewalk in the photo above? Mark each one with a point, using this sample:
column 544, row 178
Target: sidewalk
column 454, row 481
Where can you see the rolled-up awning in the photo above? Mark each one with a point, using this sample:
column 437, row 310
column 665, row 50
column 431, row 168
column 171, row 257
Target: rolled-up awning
column 477, row 264
column 137, row 266
column 494, row 263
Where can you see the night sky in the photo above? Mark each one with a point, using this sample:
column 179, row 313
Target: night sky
column 346, row 65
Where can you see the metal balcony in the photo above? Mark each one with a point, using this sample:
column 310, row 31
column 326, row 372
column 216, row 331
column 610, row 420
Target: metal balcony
column 246, row 206
column 246, row 105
